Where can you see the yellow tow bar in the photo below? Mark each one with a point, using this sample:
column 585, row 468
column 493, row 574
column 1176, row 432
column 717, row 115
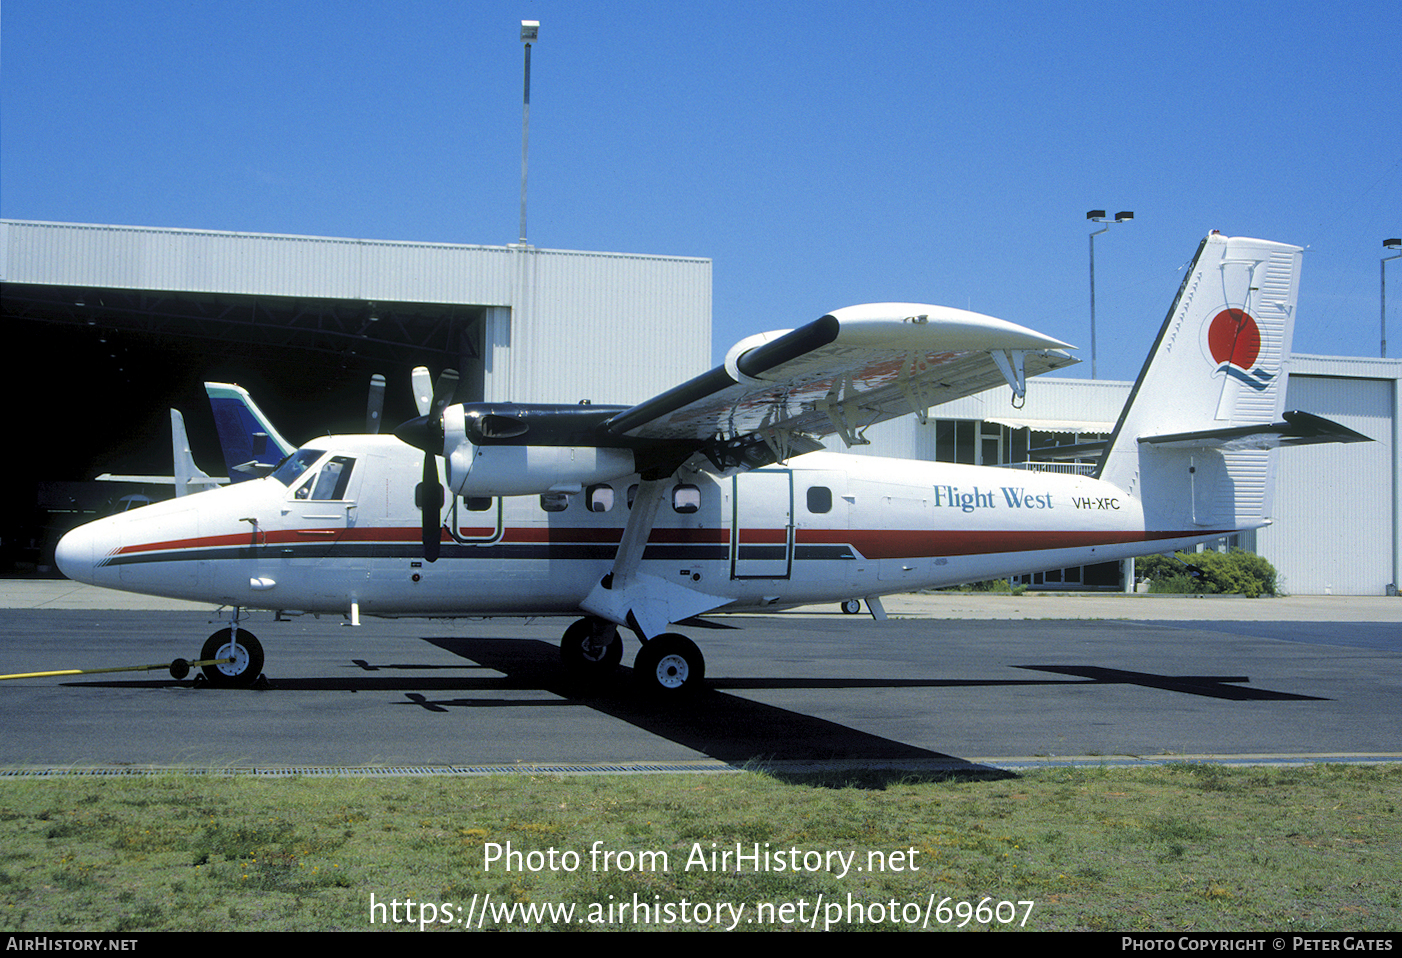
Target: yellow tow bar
column 178, row 669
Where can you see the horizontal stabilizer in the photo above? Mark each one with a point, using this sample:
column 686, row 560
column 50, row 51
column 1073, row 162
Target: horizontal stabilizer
column 1079, row 450
column 1298, row 429
column 253, row 469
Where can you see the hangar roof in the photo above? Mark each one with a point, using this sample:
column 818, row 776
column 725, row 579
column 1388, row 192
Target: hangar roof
column 400, row 301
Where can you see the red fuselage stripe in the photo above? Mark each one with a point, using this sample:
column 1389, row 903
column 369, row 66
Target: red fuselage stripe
column 871, row 543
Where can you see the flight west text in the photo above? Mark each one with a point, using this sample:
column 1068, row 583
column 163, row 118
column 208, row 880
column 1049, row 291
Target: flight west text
column 1016, row 497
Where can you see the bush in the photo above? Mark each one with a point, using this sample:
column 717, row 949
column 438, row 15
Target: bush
column 989, row 585
column 1237, row 572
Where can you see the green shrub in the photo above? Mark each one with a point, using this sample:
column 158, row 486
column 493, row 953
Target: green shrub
column 1237, row 572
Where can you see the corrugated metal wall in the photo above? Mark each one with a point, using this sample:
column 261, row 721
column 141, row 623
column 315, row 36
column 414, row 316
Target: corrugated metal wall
column 1334, row 503
column 1332, row 529
column 610, row 327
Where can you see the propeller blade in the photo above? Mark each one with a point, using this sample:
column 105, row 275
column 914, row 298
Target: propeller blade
column 376, row 405
column 444, row 390
column 423, row 389
column 426, row 432
column 430, row 502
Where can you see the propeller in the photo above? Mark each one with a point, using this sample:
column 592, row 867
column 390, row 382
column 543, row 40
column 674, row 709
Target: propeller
column 430, row 508
column 426, row 433
column 376, row 405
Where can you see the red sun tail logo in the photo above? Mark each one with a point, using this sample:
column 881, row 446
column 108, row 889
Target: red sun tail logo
column 1234, row 341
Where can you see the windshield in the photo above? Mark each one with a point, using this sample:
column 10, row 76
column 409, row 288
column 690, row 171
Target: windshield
column 296, row 464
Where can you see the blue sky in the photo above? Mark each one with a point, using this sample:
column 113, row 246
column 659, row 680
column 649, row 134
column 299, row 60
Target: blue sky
column 822, row 154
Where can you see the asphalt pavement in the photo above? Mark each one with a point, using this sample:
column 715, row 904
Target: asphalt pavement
column 952, row 680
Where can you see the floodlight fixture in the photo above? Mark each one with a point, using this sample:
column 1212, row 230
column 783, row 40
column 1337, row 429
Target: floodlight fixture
column 530, row 30
column 1393, row 243
column 1098, row 216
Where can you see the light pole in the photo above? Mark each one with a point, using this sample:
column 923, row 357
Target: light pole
column 1098, row 216
column 1393, row 243
column 1396, row 583
column 530, row 29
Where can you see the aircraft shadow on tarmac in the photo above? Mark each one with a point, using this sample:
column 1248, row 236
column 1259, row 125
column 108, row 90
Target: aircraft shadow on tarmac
column 725, row 727
column 734, row 729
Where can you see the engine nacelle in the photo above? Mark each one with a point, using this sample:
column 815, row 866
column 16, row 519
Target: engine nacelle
column 528, row 470
column 524, row 470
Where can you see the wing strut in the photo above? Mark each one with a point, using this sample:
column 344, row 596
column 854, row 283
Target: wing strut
column 1012, row 364
column 642, row 602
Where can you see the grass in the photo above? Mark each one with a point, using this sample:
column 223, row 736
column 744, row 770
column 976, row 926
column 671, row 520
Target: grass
column 1176, row 847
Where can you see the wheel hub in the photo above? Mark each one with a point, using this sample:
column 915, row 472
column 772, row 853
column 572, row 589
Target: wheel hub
column 240, row 659
column 672, row 671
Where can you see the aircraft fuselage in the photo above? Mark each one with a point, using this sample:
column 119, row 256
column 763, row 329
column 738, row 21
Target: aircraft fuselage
column 825, row 527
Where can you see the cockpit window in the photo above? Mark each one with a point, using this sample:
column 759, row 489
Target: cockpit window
column 332, row 481
column 296, row 464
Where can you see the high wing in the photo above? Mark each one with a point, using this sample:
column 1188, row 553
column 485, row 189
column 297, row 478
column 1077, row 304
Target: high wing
column 774, row 397
column 839, row 374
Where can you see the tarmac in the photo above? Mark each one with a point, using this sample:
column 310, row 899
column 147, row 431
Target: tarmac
column 952, row 680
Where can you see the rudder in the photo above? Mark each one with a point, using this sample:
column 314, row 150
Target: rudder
column 1219, row 363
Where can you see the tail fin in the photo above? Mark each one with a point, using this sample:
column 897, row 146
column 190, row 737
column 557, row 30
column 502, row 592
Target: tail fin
column 252, row 447
column 188, row 476
column 1218, row 364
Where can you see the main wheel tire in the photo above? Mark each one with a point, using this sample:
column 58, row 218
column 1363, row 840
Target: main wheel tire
column 670, row 667
column 852, row 606
column 247, row 655
column 591, row 646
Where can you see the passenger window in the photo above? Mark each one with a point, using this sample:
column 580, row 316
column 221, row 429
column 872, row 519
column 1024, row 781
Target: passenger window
column 686, row 498
column 477, row 503
column 819, row 499
column 632, row 494
column 599, row 498
column 554, row 501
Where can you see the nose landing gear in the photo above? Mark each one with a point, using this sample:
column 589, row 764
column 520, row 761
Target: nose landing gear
column 240, row 645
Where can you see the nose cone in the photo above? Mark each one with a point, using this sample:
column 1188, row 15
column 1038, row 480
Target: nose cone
column 75, row 553
column 425, row 432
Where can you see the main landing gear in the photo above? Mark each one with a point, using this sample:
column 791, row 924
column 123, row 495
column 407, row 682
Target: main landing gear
column 592, row 646
column 669, row 667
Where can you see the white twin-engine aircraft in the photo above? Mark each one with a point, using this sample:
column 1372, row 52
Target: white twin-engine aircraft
column 714, row 496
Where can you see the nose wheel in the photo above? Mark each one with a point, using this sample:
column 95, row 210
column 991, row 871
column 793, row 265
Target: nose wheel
column 670, row 667
column 243, row 648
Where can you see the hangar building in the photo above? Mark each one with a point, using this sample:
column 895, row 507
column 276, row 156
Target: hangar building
column 113, row 325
